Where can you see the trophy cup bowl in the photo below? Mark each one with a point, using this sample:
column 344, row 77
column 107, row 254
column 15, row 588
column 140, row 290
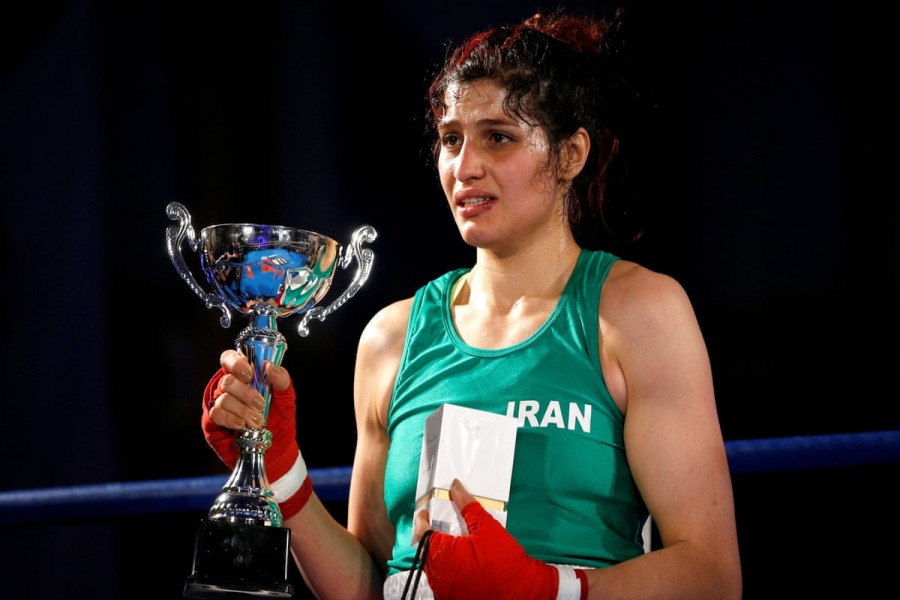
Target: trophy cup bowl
column 266, row 273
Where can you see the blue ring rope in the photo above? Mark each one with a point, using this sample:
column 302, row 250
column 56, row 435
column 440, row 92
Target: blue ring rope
column 108, row 500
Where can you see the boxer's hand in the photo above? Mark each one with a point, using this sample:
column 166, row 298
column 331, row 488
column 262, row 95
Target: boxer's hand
column 230, row 402
column 489, row 562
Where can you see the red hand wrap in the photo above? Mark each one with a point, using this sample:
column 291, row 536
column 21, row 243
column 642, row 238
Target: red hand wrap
column 221, row 440
column 488, row 563
column 281, row 459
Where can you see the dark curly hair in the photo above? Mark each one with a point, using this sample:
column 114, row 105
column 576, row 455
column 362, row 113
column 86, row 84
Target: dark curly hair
column 559, row 74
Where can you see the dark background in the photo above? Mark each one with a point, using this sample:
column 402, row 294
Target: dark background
column 768, row 177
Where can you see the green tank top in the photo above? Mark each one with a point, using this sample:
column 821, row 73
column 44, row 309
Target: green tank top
column 572, row 498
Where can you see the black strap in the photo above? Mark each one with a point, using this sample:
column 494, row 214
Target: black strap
column 418, row 565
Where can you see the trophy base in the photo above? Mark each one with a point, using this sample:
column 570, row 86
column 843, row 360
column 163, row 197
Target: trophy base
column 233, row 560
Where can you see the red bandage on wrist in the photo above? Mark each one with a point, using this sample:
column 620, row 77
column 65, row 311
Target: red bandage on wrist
column 489, row 563
column 285, row 468
column 582, row 580
column 295, row 503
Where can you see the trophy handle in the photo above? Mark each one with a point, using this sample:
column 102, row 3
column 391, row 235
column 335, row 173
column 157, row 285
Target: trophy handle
column 175, row 236
column 364, row 256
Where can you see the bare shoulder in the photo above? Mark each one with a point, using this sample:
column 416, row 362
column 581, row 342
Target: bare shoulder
column 633, row 293
column 644, row 316
column 386, row 330
column 378, row 360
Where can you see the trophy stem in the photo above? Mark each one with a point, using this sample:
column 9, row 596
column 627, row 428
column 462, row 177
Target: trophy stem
column 246, row 497
column 261, row 342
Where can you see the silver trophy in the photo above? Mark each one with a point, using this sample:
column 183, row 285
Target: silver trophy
column 265, row 272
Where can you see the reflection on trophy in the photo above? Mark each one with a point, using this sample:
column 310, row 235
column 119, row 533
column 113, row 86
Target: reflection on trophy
column 265, row 272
